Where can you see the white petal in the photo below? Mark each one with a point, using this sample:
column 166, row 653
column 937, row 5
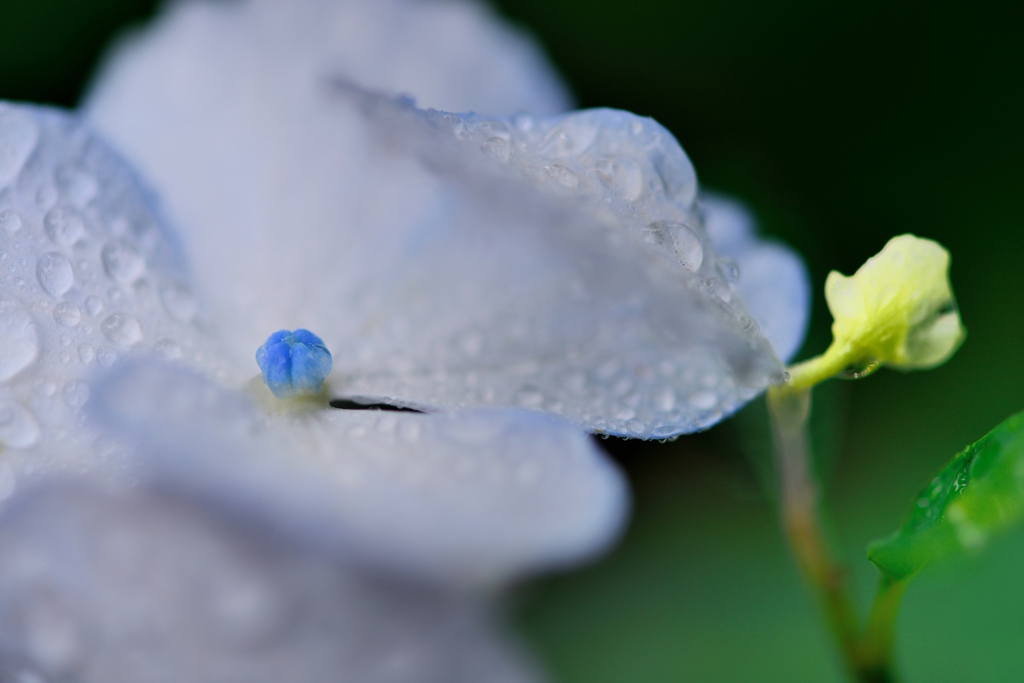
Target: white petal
column 450, row 283
column 467, row 497
column 773, row 280
column 149, row 589
column 88, row 273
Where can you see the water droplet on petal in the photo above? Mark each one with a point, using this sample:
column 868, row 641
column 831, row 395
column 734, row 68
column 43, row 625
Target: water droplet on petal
column 10, row 222
column 570, row 138
column 67, row 314
column 665, row 399
column 523, row 122
column 85, row 353
column 18, row 137
column 497, row 148
column 76, row 393
column 167, row 349
column 729, row 271
column 621, row 176
column 18, row 428
column 64, row 225
column 678, row 241
column 93, row 305
column 563, row 176
column 529, row 397
column 77, row 185
column 19, row 340
column 720, row 289
column 106, row 356
column 54, row 273
column 122, row 261
column 179, row 302
column 703, row 400
column 122, row 329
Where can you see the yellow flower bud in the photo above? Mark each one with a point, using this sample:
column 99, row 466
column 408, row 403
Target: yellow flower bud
column 898, row 308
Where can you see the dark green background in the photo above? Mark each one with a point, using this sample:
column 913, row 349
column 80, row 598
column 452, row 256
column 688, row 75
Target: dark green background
column 842, row 124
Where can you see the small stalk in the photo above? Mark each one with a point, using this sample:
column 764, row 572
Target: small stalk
column 878, row 641
column 897, row 310
column 799, row 496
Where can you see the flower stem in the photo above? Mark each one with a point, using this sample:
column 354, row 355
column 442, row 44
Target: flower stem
column 876, row 651
column 868, row 658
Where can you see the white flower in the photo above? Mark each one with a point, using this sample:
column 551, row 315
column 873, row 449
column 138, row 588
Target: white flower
column 459, row 264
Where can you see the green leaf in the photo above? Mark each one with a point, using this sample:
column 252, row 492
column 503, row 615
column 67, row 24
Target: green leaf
column 978, row 494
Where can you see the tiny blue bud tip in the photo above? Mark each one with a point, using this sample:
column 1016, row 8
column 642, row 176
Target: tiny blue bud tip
column 294, row 363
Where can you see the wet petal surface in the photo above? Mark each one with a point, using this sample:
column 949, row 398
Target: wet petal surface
column 145, row 588
column 88, row 274
column 472, row 497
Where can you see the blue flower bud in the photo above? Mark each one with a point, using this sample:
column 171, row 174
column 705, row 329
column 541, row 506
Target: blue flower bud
column 294, row 363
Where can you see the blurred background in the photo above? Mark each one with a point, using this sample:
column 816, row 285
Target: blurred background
column 841, row 125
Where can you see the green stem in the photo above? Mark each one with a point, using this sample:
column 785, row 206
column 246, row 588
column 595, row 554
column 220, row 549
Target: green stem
column 877, row 644
column 800, row 502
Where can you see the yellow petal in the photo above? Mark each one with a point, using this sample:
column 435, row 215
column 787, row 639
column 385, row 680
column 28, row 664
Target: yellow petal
column 898, row 308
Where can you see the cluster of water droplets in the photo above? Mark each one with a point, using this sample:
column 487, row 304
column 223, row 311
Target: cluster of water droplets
column 87, row 275
column 628, row 162
column 602, row 298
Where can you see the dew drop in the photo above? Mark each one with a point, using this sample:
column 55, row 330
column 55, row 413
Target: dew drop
column 122, row 261
column 523, row 122
column 179, row 302
column 106, row 356
column 570, row 138
column 703, row 400
column 497, row 148
column 85, row 353
column 729, row 271
column 665, row 399
column 625, row 413
column 18, row 428
column 494, row 129
column 54, row 273
column 664, row 432
column 167, row 349
column 621, row 176
column 46, row 197
column 76, row 393
column 563, row 176
column 122, row 329
column 67, row 314
column 19, row 340
column 529, row 397
column 10, row 222
column 77, row 185
column 678, row 241
column 720, row 289
column 64, row 225
column 93, row 305
column 18, row 137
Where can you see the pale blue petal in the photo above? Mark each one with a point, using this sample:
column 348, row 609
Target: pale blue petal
column 773, row 279
column 558, row 264
column 149, row 588
column 88, row 273
column 471, row 497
